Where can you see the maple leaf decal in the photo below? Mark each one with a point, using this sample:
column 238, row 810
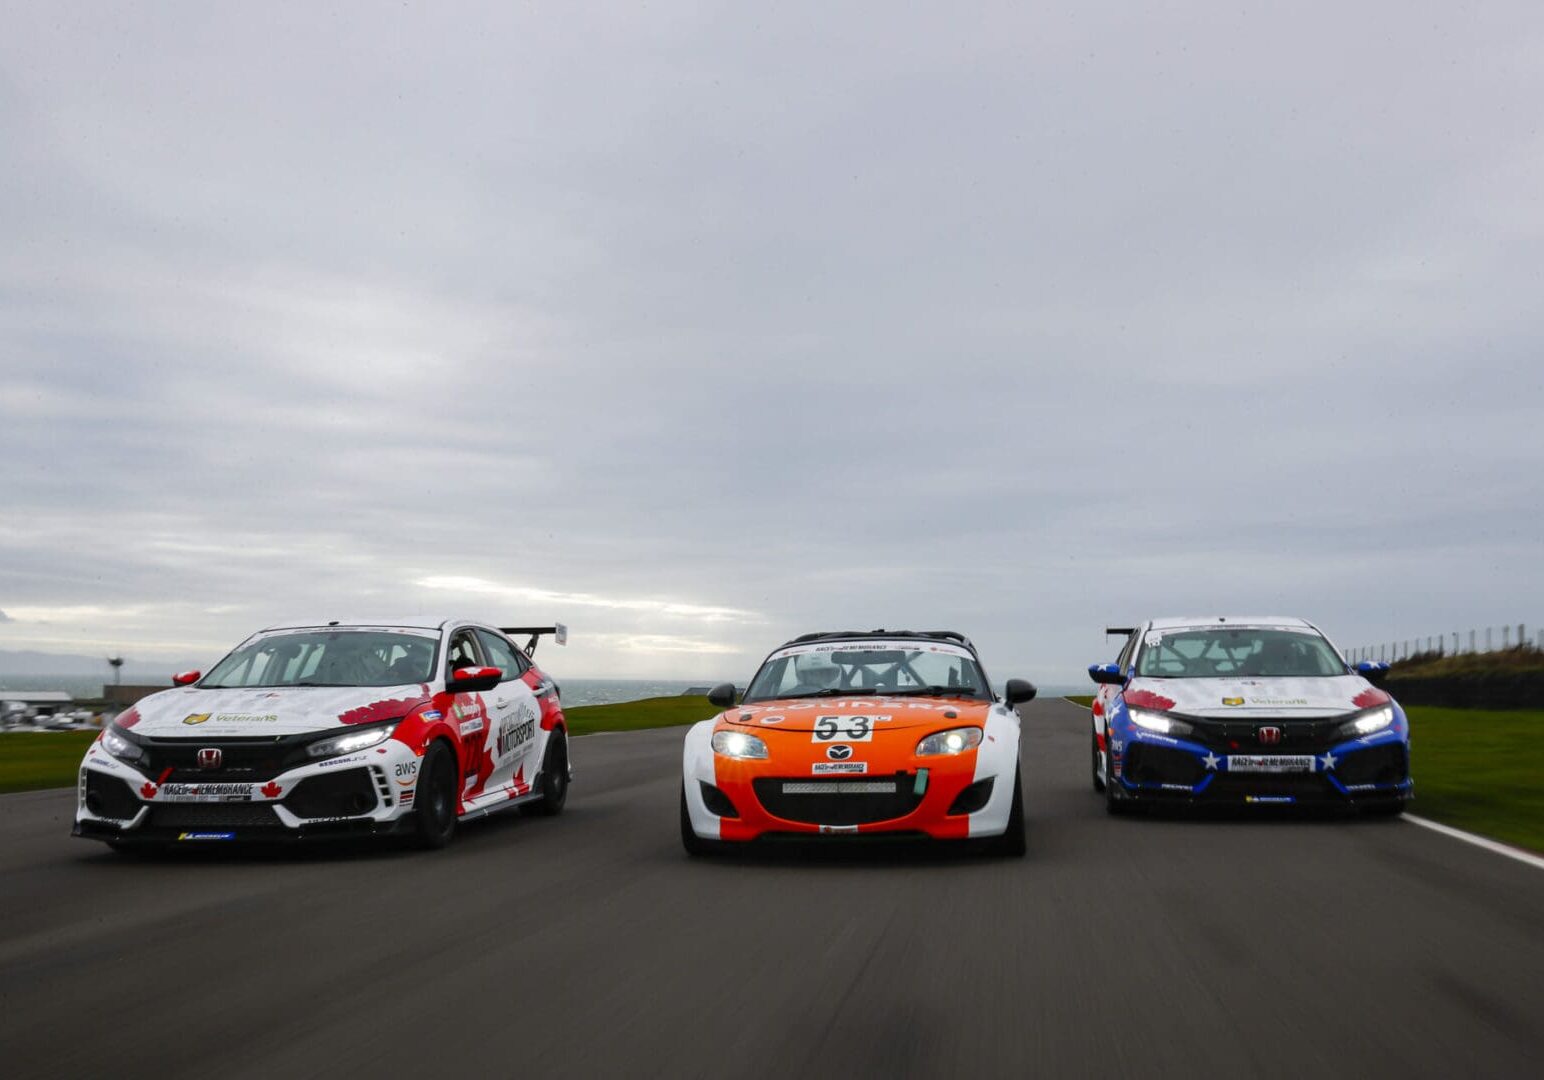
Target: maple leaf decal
column 271, row 789
column 148, row 791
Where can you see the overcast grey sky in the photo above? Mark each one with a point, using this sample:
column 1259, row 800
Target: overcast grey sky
column 698, row 326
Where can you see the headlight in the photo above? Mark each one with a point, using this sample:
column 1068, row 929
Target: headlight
column 1164, row 725
column 954, row 741
column 737, row 744
column 339, row 745
column 1368, row 722
column 120, row 747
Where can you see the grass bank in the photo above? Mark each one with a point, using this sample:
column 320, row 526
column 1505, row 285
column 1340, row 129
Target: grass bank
column 30, row 760
column 635, row 715
column 1478, row 770
column 1087, row 701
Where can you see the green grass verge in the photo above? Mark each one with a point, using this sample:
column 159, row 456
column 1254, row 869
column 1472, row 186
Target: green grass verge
column 30, row 760
column 1079, row 699
column 635, row 715
column 1478, row 770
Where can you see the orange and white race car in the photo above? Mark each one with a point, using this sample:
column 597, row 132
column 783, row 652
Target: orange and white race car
column 859, row 734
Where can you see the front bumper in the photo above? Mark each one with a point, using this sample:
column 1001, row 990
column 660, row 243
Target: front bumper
column 1372, row 770
column 365, row 794
column 936, row 797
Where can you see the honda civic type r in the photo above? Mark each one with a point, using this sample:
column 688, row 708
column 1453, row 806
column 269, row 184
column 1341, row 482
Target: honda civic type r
column 343, row 729
column 883, row 733
column 1254, row 711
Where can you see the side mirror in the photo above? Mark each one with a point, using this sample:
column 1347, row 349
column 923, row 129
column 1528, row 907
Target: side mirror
column 185, row 678
column 473, row 680
column 1019, row 691
column 1374, row 671
column 1106, row 674
column 723, row 695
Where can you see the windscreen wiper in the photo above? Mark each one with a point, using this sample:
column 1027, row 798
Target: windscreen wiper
column 837, row 691
column 937, row 691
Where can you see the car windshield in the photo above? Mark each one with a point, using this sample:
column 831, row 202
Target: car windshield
column 1217, row 652
column 868, row 667
column 328, row 658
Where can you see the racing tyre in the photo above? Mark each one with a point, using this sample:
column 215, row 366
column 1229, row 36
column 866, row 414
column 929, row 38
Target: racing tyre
column 1011, row 843
column 1098, row 764
column 694, row 844
column 554, row 778
column 435, row 805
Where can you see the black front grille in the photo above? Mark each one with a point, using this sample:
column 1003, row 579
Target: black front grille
column 110, row 797
column 1271, row 785
column 1149, row 764
column 241, row 759
column 1378, row 765
column 347, row 793
column 211, row 816
column 1243, row 736
column 826, row 804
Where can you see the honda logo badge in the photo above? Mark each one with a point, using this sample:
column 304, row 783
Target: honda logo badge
column 1270, row 736
column 210, row 758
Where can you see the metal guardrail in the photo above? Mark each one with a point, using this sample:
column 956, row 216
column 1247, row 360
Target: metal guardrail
column 1490, row 639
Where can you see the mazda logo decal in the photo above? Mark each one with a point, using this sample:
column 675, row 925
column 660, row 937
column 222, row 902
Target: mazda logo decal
column 838, row 753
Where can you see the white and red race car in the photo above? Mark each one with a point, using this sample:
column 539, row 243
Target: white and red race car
column 404, row 726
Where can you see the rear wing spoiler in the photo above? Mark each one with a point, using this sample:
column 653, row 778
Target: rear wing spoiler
column 558, row 631
column 1119, row 631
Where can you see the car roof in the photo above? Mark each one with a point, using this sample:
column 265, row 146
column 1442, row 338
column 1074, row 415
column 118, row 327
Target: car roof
column 416, row 622
column 951, row 636
column 1177, row 623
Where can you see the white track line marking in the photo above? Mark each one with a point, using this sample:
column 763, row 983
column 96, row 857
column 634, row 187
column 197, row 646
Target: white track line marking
column 1479, row 841
column 1079, row 704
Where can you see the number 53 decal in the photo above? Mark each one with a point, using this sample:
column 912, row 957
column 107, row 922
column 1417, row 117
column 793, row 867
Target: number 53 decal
column 846, row 728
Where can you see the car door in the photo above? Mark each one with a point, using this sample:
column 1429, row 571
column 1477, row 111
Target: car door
column 515, row 731
column 471, row 715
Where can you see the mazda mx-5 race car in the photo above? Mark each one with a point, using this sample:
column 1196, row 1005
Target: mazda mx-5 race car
column 883, row 733
column 1254, row 711
column 342, row 729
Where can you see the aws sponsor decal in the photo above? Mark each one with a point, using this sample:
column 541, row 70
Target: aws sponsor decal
column 406, row 775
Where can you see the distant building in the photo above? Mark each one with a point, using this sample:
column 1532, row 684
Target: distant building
column 121, row 697
column 37, row 702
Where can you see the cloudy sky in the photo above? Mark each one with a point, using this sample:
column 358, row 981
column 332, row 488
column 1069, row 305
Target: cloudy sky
column 697, row 326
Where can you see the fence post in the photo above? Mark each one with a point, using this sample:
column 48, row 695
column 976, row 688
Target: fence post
column 1471, row 642
column 1522, row 638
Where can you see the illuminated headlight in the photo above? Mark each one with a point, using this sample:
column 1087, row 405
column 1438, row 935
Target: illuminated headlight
column 737, row 744
column 1367, row 723
column 1164, row 725
column 954, row 741
column 120, row 747
column 339, row 745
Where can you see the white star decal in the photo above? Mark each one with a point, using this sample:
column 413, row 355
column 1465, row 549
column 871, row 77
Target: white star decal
column 1211, row 760
column 1329, row 762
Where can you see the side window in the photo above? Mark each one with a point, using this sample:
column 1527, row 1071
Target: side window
column 501, row 654
column 463, row 652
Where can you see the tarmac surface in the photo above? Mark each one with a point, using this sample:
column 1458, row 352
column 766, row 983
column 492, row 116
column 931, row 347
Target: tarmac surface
column 590, row 944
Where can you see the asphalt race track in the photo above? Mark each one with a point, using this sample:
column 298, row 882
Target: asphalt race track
column 590, row 945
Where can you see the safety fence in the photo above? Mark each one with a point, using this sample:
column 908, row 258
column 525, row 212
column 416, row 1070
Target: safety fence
column 1486, row 640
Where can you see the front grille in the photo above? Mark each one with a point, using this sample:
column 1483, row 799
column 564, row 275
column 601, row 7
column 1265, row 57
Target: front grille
column 348, row 793
column 242, row 759
column 211, row 816
column 110, row 797
column 1149, row 764
column 1378, row 765
column 825, row 802
column 1243, row 736
column 1271, row 785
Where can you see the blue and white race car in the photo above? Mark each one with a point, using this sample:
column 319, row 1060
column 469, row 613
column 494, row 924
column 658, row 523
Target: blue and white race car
column 1253, row 711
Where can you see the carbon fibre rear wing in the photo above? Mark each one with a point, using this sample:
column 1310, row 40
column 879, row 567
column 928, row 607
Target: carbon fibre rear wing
column 558, row 631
